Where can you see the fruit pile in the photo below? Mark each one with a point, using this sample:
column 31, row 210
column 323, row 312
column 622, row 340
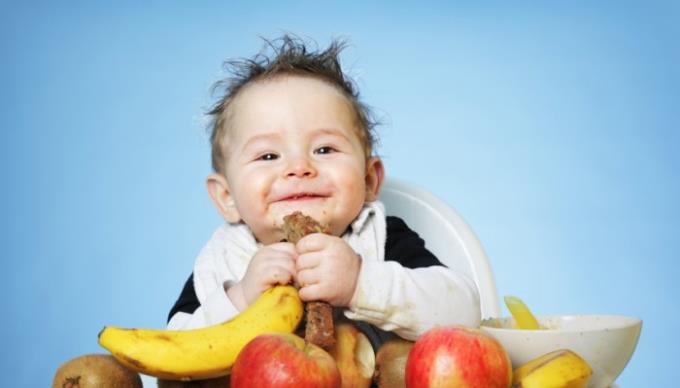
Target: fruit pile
column 258, row 349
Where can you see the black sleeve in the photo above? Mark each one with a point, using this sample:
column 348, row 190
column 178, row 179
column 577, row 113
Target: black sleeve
column 187, row 301
column 404, row 246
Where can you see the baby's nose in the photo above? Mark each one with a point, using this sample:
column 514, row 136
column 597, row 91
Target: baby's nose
column 300, row 167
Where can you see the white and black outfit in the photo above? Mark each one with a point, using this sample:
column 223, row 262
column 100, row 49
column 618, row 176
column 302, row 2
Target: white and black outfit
column 402, row 288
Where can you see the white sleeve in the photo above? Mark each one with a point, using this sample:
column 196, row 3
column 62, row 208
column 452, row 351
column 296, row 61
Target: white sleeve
column 221, row 262
column 412, row 301
column 216, row 308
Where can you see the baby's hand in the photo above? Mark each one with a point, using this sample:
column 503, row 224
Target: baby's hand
column 327, row 269
column 272, row 264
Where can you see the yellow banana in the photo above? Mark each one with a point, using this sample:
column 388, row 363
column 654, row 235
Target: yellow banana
column 524, row 319
column 558, row 369
column 206, row 352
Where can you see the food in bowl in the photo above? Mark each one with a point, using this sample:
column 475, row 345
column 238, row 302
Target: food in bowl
column 606, row 342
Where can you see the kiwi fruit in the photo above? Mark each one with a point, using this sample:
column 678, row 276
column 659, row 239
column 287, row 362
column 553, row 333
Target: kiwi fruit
column 95, row 371
column 218, row 382
column 390, row 363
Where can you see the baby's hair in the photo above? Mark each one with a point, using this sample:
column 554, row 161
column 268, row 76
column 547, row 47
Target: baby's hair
column 289, row 55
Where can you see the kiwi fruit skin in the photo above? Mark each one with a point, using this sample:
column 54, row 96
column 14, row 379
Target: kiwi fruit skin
column 390, row 363
column 95, row 371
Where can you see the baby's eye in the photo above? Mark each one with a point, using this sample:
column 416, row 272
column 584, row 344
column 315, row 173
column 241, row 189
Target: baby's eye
column 325, row 150
column 268, row 156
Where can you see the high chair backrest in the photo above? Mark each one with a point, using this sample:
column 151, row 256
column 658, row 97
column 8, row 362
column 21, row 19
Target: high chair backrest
column 446, row 235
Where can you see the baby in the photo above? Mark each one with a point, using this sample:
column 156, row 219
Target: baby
column 290, row 134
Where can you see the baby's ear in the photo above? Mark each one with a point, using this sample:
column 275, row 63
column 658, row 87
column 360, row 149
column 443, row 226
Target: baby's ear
column 219, row 192
column 375, row 175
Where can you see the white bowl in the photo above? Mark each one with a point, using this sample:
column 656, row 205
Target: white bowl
column 606, row 342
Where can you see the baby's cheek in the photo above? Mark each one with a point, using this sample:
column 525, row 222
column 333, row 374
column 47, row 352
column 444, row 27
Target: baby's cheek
column 354, row 187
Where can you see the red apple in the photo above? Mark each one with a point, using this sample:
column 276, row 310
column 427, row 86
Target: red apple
column 457, row 356
column 283, row 360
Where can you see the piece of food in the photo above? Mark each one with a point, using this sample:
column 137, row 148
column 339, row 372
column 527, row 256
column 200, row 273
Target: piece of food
column 319, row 315
column 457, row 356
column 524, row 319
column 284, row 360
column 297, row 225
column 319, row 328
column 354, row 356
column 95, row 371
column 559, row 369
column 390, row 363
column 206, row 352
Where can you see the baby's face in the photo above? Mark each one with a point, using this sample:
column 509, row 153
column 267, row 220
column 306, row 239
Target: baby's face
column 292, row 145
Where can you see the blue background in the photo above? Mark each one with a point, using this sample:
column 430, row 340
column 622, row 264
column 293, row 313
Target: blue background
column 551, row 128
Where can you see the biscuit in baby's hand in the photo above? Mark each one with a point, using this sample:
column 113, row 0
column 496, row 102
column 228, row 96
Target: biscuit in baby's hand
column 297, row 225
column 319, row 315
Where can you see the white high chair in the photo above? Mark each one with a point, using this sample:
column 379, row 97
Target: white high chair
column 446, row 235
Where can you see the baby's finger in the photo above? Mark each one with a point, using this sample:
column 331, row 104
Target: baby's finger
column 283, row 261
column 310, row 293
column 279, row 275
column 285, row 247
column 312, row 243
column 308, row 260
column 306, row 278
